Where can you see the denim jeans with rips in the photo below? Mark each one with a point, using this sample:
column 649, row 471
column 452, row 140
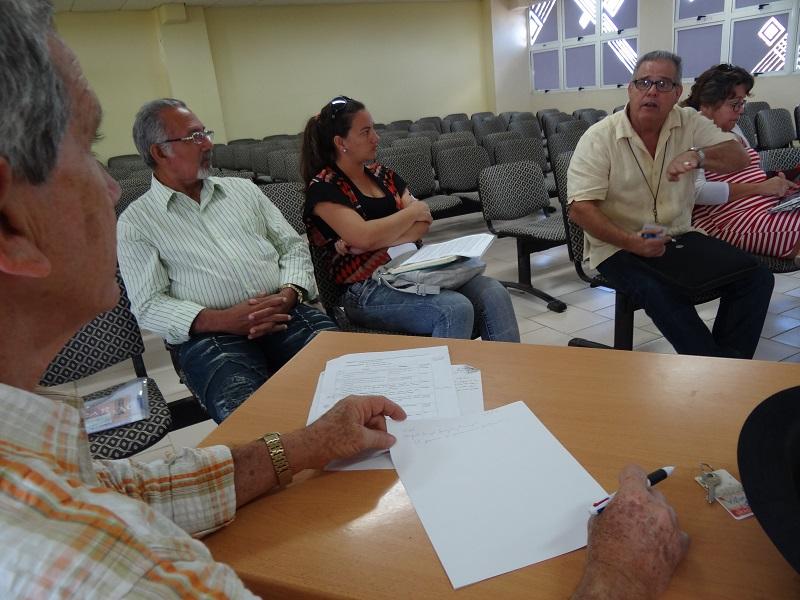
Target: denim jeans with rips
column 223, row 370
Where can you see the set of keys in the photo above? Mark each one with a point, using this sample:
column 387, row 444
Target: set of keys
column 710, row 480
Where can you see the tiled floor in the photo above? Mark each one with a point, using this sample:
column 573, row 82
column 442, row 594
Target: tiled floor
column 589, row 315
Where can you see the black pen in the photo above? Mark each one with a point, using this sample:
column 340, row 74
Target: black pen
column 652, row 479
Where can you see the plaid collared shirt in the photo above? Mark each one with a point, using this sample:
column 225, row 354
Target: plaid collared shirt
column 71, row 527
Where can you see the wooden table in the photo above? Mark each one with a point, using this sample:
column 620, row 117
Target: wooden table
column 356, row 535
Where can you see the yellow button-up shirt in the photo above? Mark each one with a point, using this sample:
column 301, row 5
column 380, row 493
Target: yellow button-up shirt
column 611, row 164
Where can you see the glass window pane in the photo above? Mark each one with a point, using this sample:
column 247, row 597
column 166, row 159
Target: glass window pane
column 543, row 22
column 620, row 14
column 545, row 70
column 579, row 18
column 746, row 3
column 759, row 45
column 699, row 47
column 579, row 66
column 619, row 58
column 690, row 9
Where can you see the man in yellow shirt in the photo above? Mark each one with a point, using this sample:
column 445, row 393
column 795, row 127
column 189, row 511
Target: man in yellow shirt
column 632, row 171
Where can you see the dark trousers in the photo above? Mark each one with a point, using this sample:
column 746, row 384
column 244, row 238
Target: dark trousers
column 223, row 370
column 740, row 317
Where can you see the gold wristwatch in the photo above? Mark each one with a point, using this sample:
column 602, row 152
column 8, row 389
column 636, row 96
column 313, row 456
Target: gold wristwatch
column 301, row 294
column 278, row 458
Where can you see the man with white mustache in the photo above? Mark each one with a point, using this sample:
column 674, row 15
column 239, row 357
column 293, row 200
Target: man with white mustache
column 212, row 265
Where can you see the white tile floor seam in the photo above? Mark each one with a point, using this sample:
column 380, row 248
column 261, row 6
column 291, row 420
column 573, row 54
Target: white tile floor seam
column 589, row 314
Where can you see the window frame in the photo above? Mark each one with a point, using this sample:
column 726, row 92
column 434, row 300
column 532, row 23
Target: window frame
column 731, row 15
column 564, row 43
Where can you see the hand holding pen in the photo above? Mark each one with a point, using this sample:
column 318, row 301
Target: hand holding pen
column 634, row 545
column 652, row 479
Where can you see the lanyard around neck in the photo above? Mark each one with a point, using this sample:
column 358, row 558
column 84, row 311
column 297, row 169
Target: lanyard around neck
column 646, row 181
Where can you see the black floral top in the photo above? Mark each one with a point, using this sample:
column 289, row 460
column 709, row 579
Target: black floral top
column 332, row 185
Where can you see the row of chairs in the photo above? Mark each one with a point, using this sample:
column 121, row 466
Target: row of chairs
column 769, row 128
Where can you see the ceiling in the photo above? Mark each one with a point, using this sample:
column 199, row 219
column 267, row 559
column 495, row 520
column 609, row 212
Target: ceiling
column 114, row 5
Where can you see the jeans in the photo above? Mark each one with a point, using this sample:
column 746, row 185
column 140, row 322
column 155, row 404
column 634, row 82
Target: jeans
column 223, row 370
column 740, row 317
column 448, row 314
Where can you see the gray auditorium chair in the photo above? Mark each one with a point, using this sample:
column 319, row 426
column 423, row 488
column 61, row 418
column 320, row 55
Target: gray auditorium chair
column 753, row 107
column 527, row 128
column 223, row 157
column 109, row 339
column 246, row 141
column 400, row 125
column 540, row 114
column 593, row 115
column 385, row 153
column 444, row 144
column 491, row 140
column 292, row 164
column 551, row 121
column 289, row 198
column 489, row 125
column 423, row 126
column 774, row 128
column 450, row 119
column 431, row 134
column 514, row 203
column 437, row 122
column 242, row 159
column 579, row 126
column 415, row 169
column 480, row 116
column 466, row 135
column 126, row 161
column 276, row 161
column 524, row 116
column 390, row 135
column 418, row 143
column 748, row 126
column 619, row 108
column 459, row 170
column 507, row 116
column 519, row 149
column 461, row 126
column 558, row 143
column 797, row 121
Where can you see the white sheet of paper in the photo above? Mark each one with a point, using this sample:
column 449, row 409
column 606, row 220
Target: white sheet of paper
column 396, row 251
column 495, row 491
column 469, row 245
column 469, row 390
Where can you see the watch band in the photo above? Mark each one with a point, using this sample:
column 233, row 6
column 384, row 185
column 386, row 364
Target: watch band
column 278, row 458
column 701, row 156
column 301, row 294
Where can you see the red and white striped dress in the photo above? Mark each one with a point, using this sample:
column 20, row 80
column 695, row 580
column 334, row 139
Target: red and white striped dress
column 745, row 222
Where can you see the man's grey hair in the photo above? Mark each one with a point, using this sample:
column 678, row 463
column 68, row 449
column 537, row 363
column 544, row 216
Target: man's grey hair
column 148, row 128
column 662, row 55
column 34, row 105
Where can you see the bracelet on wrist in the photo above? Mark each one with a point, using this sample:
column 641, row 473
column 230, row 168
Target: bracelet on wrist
column 301, row 295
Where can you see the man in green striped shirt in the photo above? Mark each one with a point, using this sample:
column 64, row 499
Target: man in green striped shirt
column 211, row 264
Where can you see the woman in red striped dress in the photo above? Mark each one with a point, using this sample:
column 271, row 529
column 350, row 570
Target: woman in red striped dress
column 734, row 207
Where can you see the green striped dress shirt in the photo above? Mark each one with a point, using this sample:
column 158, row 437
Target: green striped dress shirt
column 178, row 257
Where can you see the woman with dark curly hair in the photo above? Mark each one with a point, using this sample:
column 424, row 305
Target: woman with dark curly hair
column 734, row 207
column 355, row 211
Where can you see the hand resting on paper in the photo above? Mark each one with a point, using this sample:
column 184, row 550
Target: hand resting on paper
column 352, row 425
column 634, row 545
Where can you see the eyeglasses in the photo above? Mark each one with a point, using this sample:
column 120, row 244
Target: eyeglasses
column 662, row 85
column 197, row 137
column 736, row 104
column 338, row 104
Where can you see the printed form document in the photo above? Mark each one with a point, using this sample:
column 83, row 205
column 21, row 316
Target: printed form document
column 421, row 380
column 495, row 491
